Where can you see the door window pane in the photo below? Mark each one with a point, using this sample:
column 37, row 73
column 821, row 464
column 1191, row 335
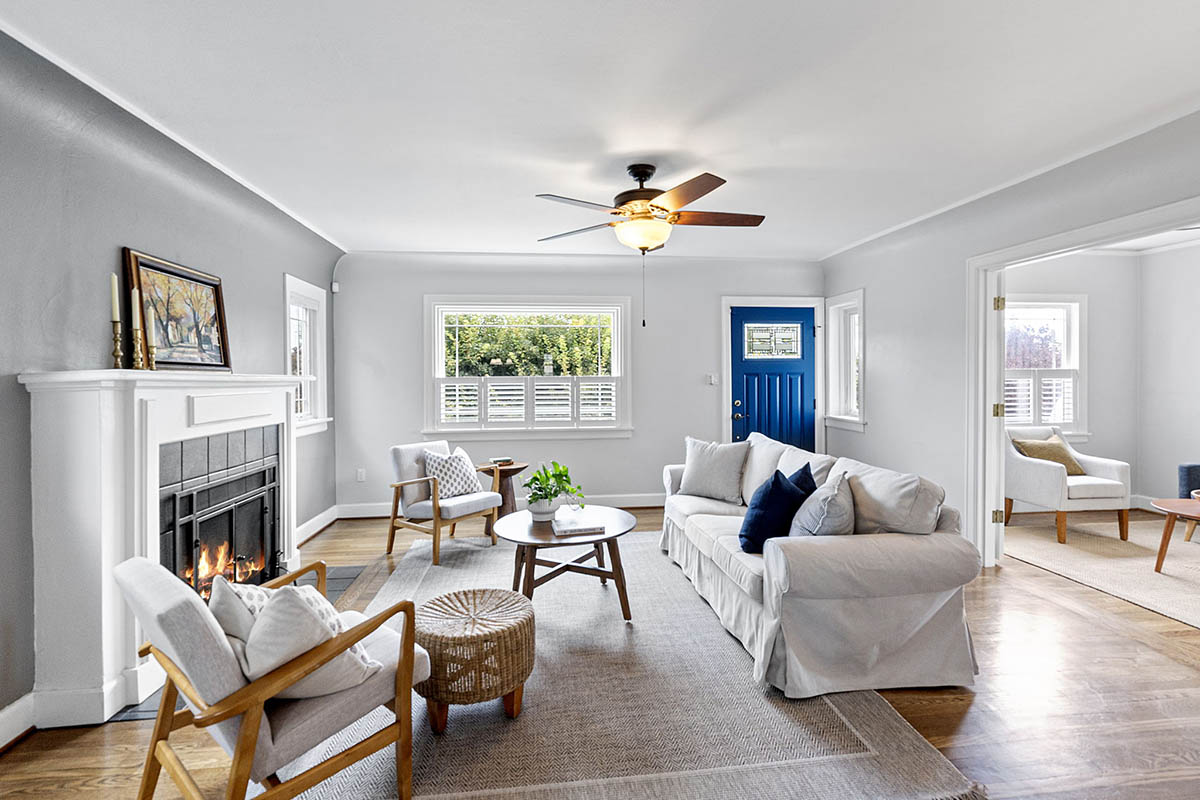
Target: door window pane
column 771, row 341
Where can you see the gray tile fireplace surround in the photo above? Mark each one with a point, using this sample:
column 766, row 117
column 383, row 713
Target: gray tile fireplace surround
column 194, row 462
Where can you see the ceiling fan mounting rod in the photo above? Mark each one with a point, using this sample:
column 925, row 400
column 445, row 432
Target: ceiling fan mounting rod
column 641, row 173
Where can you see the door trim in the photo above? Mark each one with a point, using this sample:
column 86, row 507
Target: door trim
column 758, row 301
column 985, row 341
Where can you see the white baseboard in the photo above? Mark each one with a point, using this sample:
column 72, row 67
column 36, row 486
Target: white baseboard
column 309, row 529
column 647, row 499
column 1143, row 502
column 16, row 718
column 59, row 708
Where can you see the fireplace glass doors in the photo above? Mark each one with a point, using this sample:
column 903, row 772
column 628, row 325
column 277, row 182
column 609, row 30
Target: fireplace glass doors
column 219, row 507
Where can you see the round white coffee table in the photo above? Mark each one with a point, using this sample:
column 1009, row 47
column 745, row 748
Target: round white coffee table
column 530, row 537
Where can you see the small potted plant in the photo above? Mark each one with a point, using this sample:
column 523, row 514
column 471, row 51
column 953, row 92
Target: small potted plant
column 548, row 486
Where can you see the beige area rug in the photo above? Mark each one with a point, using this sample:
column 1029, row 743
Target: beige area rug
column 1095, row 556
column 660, row 708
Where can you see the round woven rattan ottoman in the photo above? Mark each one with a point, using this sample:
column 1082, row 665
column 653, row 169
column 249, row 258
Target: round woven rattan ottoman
column 480, row 644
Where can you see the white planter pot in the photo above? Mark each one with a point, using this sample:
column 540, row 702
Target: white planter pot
column 543, row 510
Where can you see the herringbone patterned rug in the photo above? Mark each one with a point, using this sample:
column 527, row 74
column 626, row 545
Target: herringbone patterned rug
column 660, row 708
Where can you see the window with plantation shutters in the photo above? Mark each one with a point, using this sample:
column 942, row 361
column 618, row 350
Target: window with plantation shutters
column 528, row 365
column 1044, row 360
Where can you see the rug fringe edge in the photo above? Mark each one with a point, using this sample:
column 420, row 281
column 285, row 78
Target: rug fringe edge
column 977, row 791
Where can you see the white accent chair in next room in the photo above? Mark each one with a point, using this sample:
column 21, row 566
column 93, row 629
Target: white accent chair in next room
column 1047, row 485
column 415, row 497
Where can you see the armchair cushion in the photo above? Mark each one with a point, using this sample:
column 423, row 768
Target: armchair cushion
column 300, row 725
column 408, row 463
column 1087, row 487
column 1052, row 449
column 454, row 507
column 456, row 474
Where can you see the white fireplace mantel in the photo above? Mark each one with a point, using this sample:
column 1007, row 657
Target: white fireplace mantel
column 95, row 438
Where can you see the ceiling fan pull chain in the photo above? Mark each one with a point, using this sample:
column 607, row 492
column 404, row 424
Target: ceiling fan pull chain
column 643, row 288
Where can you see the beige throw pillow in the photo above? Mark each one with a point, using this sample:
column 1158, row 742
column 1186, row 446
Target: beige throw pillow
column 1052, row 449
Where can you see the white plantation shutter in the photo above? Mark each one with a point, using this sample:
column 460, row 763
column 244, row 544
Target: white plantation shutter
column 505, row 400
column 597, row 401
column 1041, row 397
column 458, row 401
column 552, row 400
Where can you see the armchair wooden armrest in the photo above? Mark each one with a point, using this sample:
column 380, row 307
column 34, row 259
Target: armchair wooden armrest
column 283, row 580
column 495, row 470
column 398, row 484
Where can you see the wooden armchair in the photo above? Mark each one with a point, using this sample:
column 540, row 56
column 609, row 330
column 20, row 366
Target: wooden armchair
column 415, row 497
column 261, row 732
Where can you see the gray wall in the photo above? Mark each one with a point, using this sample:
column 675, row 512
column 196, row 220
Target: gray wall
column 915, row 281
column 1170, row 382
column 80, row 179
column 380, row 355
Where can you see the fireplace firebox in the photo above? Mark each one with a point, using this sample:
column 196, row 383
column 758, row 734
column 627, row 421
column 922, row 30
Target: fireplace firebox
column 219, row 507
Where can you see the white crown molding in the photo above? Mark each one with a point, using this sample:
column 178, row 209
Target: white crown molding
column 143, row 115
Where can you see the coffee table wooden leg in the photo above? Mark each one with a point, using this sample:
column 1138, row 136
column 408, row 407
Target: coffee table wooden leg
column 512, row 702
column 600, row 560
column 517, row 568
column 1168, row 529
column 614, row 555
column 530, row 558
column 1191, row 528
column 439, row 713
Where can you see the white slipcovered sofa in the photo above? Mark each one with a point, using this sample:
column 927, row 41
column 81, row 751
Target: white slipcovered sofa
column 832, row 613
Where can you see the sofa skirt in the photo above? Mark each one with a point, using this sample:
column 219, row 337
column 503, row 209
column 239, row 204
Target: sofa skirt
column 739, row 613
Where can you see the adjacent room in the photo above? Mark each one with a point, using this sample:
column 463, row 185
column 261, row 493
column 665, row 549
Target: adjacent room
column 562, row 400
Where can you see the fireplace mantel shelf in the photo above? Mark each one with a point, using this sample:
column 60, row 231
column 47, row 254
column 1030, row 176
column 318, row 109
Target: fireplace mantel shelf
column 183, row 379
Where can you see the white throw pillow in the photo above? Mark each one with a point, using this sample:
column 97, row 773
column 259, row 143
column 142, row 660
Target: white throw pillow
column 287, row 622
column 456, row 474
column 886, row 501
column 829, row 511
column 714, row 470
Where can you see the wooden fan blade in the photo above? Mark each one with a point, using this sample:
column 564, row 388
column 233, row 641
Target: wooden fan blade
column 580, row 230
column 719, row 218
column 571, row 201
column 687, row 192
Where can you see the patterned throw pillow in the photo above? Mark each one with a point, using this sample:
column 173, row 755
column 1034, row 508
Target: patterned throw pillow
column 456, row 474
column 269, row 627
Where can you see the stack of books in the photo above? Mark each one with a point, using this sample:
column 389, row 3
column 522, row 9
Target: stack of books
column 501, row 461
column 574, row 523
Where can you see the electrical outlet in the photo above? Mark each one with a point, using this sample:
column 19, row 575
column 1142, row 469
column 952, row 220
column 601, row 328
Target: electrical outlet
column 711, row 379
column 360, row 475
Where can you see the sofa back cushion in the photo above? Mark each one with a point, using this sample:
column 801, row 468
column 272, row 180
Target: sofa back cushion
column 714, row 470
column 886, row 501
column 794, row 458
column 767, row 455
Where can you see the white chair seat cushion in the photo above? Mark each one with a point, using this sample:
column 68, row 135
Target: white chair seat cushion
column 455, row 507
column 1086, row 487
column 300, row 725
column 678, row 507
column 744, row 569
column 703, row 530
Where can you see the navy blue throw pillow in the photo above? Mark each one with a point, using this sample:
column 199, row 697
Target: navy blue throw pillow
column 773, row 506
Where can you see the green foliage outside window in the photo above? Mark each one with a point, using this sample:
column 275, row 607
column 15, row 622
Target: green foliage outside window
column 525, row 344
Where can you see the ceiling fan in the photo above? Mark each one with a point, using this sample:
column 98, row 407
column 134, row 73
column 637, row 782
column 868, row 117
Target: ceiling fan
column 644, row 217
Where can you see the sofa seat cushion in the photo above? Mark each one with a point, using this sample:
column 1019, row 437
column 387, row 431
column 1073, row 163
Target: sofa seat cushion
column 1085, row 487
column 678, row 507
column 703, row 530
column 886, row 501
column 455, row 507
column 300, row 725
column 744, row 569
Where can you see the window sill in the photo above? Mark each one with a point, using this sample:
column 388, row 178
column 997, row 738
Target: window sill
column 307, row 427
column 510, row 434
column 845, row 423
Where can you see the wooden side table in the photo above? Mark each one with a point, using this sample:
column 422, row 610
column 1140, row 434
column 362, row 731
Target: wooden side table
column 1175, row 508
column 508, row 498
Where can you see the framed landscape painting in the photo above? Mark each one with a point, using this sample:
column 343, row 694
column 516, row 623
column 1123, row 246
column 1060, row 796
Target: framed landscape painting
column 189, row 313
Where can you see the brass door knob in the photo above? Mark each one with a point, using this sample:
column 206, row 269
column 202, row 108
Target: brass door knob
column 737, row 416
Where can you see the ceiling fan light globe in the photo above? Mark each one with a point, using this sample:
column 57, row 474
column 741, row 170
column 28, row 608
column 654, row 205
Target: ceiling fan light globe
column 643, row 233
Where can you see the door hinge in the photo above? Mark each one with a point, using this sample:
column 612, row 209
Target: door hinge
column 997, row 304
column 997, row 516
column 814, row 404
column 997, row 409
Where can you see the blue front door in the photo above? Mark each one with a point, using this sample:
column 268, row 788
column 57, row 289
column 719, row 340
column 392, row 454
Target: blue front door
column 773, row 389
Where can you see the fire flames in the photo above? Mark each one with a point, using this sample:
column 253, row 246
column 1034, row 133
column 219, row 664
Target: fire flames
column 219, row 562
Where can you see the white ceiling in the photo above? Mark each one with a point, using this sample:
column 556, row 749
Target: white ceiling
column 392, row 125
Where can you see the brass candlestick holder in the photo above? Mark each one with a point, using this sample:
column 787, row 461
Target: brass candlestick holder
column 138, row 360
column 150, row 351
column 118, row 356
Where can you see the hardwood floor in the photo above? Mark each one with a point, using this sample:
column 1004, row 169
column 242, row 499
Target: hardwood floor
column 1081, row 695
